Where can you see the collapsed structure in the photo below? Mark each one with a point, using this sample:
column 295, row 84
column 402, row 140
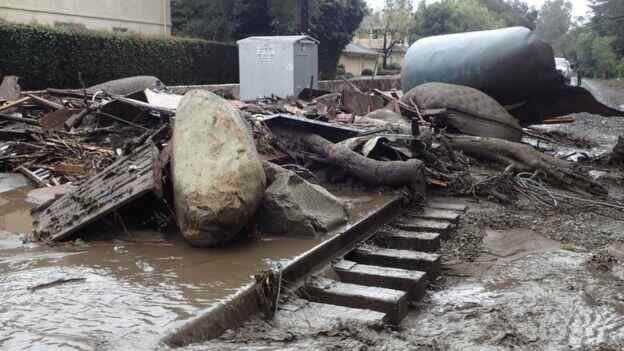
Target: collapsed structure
column 117, row 135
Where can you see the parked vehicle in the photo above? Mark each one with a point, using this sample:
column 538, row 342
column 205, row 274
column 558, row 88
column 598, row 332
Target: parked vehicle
column 564, row 67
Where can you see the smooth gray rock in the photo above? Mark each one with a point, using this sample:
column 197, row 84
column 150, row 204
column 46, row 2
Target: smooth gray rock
column 126, row 86
column 295, row 207
column 218, row 177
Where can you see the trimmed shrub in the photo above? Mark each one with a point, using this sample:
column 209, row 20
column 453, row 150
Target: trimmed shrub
column 393, row 66
column 367, row 72
column 387, row 72
column 45, row 56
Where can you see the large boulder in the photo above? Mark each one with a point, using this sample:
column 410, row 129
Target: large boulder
column 471, row 111
column 217, row 175
column 295, row 207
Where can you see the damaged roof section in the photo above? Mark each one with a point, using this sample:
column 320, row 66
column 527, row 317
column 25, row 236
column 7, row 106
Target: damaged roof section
column 123, row 182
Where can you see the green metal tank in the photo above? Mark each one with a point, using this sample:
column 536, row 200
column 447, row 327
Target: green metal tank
column 512, row 65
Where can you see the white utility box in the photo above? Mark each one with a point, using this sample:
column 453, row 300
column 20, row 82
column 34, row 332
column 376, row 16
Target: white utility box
column 281, row 66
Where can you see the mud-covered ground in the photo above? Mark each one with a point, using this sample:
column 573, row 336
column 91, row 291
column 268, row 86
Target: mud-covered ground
column 521, row 277
column 128, row 289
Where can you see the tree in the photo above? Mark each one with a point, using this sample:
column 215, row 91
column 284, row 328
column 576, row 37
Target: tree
column 555, row 19
column 513, row 12
column 608, row 20
column 596, row 56
column 333, row 23
column 221, row 20
column 208, row 19
column 396, row 21
column 253, row 17
column 453, row 16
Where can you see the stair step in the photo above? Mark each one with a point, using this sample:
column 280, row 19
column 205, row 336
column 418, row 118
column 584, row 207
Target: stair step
column 447, row 206
column 306, row 315
column 435, row 214
column 443, row 228
column 413, row 282
column 389, row 301
column 415, row 241
column 403, row 259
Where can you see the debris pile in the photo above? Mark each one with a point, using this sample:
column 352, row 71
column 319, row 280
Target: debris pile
column 113, row 143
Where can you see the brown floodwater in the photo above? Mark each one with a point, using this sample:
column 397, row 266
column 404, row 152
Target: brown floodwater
column 134, row 291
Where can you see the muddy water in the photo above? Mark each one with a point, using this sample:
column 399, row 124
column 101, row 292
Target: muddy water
column 529, row 295
column 134, row 290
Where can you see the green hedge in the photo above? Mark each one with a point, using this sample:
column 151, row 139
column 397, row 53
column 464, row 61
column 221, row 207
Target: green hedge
column 49, row 57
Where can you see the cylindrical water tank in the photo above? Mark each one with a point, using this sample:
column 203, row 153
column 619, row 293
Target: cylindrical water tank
column 511, row 65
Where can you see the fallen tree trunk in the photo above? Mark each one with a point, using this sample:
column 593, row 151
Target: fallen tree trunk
column 523, row 157
column 393, row 173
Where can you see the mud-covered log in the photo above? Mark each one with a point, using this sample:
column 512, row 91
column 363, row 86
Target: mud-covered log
column 525, row 158
column 392, row 173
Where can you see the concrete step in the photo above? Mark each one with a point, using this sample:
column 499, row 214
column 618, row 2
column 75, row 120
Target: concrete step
column 413, row 282
column 414, row 241
column 391, row 302
column 441, row 205
column 403, row 259
column 444, row 228
column 435, row 214
column 305, row 316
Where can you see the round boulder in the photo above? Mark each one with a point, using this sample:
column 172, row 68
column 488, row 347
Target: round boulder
column 217, row 175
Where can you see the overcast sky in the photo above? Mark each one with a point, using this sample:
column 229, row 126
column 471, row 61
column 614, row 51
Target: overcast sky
column 580, row 6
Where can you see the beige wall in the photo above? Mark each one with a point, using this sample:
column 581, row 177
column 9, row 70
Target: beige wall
column 140, row 16
column 355, row 64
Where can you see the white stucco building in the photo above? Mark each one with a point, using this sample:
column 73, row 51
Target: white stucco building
column 151, row 17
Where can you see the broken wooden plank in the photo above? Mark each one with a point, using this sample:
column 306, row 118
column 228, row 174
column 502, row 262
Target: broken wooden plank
column 30, row 121
column 46, row 103
column 559, row 120
column 406, row 110
column 118, row 185
column 14, row 103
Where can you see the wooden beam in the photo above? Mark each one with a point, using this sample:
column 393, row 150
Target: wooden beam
column 14, row 104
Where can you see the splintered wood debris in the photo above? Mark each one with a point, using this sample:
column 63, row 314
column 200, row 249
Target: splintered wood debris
column 121, row 183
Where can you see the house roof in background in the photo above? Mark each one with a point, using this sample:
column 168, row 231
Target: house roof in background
column 357, row 49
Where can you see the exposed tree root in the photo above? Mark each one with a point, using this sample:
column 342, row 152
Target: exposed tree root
column 393, row 173
column 524, row 158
